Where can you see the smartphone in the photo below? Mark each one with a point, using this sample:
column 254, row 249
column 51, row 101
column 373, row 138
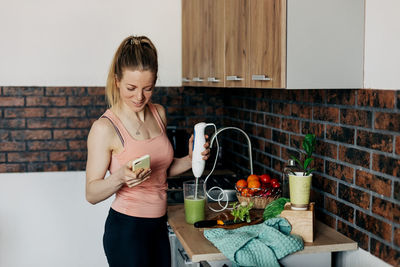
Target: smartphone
column 141, row 163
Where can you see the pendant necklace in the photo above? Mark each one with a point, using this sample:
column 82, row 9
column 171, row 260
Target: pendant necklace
column 137, row 129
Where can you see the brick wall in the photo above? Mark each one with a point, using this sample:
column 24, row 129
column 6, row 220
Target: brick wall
column 357, row 185
column 45, row 128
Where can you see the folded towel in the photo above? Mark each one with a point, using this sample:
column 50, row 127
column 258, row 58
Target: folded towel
column 260, row 245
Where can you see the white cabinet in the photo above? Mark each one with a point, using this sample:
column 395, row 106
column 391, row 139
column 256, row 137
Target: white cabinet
column 325, row 44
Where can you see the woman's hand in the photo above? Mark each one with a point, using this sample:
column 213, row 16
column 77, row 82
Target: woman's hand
column 133, row 178
column 205, row 153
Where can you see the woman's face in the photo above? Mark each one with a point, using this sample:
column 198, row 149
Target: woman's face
column 136, row 88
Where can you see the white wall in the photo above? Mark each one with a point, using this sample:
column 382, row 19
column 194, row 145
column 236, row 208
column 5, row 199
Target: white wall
column 45, row 221
column 71, row 43
column 382, row 44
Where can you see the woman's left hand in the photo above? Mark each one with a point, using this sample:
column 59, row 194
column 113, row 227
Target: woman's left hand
column 205, row 153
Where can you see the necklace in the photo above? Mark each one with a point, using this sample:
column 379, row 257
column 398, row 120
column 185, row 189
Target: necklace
column 137, row 129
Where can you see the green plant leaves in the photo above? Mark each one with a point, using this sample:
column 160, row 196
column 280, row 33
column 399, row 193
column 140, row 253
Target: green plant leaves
column 308, row 145
column 297, row 160
column 307, row 162
column 309, row 171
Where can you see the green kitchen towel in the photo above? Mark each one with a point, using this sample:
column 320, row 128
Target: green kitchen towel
column 260, row 245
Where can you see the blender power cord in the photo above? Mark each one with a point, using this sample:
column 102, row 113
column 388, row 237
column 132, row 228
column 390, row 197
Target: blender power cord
column 222, row 194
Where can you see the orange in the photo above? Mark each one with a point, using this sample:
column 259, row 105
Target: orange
column 254, row 186
column 252, row 177
column 246, row 192
column 241, row 184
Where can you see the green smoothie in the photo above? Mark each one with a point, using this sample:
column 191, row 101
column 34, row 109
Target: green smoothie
column 194, row 209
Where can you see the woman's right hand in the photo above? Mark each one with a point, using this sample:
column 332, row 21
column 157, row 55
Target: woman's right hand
column 132, row 178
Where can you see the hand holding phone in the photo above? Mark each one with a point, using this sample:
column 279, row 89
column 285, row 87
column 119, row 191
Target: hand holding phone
column 141, row 163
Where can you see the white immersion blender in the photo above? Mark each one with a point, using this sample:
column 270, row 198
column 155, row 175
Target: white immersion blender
column 198, row 164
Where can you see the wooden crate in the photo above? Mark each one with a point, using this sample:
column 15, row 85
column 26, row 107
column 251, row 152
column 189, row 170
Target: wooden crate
column 302, row 221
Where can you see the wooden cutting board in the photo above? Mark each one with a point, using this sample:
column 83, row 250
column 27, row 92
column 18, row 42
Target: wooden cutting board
column 255, row 215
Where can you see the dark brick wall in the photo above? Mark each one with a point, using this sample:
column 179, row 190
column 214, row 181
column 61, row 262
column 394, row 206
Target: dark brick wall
column 45, row 128
column 357, row 185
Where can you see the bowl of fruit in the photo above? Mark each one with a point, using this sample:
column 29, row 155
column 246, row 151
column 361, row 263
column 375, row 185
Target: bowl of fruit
column 259, row 189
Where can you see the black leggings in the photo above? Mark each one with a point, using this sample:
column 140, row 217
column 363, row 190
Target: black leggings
column 132, row 241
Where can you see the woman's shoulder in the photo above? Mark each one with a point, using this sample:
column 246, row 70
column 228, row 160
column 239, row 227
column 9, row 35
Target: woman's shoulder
column 161, row 111
column 159, row 107
column 102, row 127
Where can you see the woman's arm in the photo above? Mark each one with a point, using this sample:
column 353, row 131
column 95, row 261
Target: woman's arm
column 180, row 165
column 99, row 156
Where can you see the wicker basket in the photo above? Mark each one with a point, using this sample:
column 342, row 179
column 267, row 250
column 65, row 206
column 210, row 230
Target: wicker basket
column 259, row 202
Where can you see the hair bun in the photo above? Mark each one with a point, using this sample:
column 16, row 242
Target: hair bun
column 135, row 40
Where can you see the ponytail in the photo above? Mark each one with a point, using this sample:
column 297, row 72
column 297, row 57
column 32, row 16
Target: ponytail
column 134, row 53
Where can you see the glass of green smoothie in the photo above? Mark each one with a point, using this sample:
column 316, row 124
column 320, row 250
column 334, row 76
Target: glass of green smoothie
column 195, row 201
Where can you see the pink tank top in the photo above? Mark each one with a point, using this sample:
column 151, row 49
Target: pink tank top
column 148, row 199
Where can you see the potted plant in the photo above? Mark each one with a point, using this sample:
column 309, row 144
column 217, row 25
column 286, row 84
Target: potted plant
column 300, row 178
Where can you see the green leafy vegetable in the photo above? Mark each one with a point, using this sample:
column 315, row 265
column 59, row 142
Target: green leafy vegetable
column 274, row 208
column 241, row 211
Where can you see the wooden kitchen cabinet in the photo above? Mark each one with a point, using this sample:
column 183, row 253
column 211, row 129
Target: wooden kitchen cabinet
column 202, row 43
column 187, row 40
column 192, row 51
column 237, row 43
column 255, row 42
column 267, row 64
column 215, row 43
column 275, row 43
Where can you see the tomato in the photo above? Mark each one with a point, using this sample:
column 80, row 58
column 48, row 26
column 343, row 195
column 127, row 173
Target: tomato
column 276, row 185
column 274, row 181
column 265, row 178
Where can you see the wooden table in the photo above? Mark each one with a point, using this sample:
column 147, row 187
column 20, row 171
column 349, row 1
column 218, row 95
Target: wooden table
column 198, row 248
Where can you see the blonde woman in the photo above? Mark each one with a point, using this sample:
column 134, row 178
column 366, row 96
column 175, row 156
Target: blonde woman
column 135, row 230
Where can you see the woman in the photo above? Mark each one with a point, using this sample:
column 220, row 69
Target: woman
column 135, row 231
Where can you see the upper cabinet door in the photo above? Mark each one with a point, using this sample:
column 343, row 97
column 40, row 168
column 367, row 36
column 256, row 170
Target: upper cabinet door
column 188, row 10
column 236, row 43
column 267, row 43
column 325, row 44
column 199, row 54
column 203, row 43
column 215, row 42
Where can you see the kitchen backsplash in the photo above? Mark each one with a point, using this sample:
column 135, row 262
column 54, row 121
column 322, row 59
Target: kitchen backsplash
column 45, row 128
column 356, row 187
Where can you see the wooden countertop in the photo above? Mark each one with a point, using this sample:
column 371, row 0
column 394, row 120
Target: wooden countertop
column 200, row 249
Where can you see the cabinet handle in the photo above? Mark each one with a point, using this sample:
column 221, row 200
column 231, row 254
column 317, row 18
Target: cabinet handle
column 213, row 80
column 234, row 78
column 184, row 256
column 197, row 79
column 185, row 80
column 260, row 78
